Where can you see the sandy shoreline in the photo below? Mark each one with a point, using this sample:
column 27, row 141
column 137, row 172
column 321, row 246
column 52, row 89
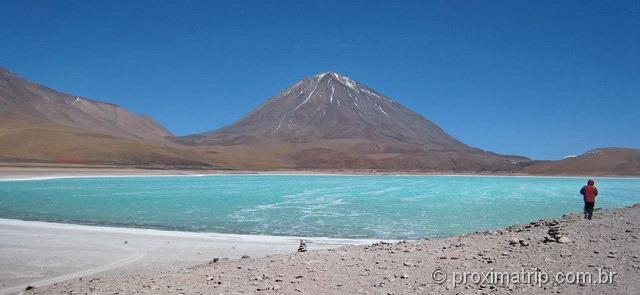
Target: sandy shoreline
column 77, row 259
column 41, row 253
column 607, row 244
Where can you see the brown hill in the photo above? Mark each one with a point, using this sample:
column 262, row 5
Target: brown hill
column 26, row 100
column 39, row 124
column 332, row 121
column 602, row 161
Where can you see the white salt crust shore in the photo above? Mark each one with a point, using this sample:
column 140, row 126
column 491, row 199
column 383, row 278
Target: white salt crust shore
column 41, row 253
column 42, row 173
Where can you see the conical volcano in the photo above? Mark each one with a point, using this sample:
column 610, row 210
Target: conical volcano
column 331, row 121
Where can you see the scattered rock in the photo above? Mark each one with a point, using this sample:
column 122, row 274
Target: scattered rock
column 244, row 257
column 28, row 287
column 564, row 240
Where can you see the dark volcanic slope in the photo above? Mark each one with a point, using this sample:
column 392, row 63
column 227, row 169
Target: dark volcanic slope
column 603, row 161
column 332, row 121
column 39, row 124
column 330, row 106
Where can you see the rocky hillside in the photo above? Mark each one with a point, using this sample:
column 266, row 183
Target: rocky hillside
column 39, row 124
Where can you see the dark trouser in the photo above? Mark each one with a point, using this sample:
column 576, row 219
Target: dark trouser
column 588, row 209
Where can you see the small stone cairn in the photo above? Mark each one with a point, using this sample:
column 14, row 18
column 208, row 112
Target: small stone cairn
column 556, row 235
column 303, row 246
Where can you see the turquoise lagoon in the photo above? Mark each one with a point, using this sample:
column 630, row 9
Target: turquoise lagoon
column 380, row 207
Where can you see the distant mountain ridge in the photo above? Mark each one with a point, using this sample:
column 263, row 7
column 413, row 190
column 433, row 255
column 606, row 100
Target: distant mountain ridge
column 601, row 161
column 326, row 121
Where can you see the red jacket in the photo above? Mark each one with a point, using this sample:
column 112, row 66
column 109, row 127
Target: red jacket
column 589, row 192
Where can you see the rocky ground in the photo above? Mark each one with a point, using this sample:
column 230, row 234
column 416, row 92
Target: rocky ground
column 569, row 246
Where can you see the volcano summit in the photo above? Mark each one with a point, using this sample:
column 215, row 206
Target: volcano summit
column 331, row 121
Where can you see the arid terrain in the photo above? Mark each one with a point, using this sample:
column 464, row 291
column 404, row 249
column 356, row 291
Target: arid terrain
column 604, row 161
column 556, row 248
column 41, row 125
column 322, row 122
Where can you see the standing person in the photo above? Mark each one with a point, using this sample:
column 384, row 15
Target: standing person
column 589, row 193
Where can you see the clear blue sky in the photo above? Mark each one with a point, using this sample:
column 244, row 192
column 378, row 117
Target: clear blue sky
column 542, row 79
